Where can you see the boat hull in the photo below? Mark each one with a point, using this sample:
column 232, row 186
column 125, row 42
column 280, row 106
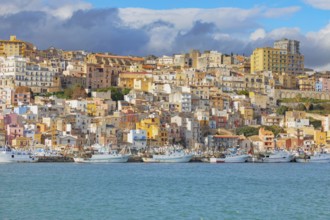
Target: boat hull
column 167, row 159
column 217, row 160
column 277, row 160
column 14, row 158
column 237, row 159
column 230, row 159
column 302, row 160
column 320, row 158
column 103, row 159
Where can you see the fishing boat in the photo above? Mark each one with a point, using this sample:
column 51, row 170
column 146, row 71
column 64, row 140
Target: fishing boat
column 278, row 156
column 302, row 157
column 231, row 158
column 320, row 157
column 217, row 160
column 175, row 156
column 111, row 157
column 104, row 154
column 8, row 155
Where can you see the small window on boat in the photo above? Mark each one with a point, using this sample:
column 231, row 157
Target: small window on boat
column 12, row 156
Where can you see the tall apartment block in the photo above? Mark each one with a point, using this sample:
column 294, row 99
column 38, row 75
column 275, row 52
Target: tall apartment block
column 284, row 57
column 15, row 47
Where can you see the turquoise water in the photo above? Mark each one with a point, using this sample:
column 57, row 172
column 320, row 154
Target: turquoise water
column 164, row 191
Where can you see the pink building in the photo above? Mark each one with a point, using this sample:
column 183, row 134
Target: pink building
column 13, row 126
column 14, row 131
column 325, row 84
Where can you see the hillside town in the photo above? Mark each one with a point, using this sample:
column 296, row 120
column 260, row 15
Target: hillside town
column 201, row 100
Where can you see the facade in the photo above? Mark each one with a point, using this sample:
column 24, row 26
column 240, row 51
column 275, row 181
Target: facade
column 22, row 95
column 15, row 47
column 267, row 138
column 138, row 138
column 284, row 57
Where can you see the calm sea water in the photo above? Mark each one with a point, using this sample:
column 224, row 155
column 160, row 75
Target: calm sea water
column 164, row 191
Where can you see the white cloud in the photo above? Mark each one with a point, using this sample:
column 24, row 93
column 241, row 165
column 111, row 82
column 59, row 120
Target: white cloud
column 66, row 11
column 144, row 31
column 60, row 8
column 320, row 4
column 183, row 19
column 258, row 34
column 280, row 12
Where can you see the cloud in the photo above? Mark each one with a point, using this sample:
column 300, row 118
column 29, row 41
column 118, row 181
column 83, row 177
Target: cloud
column 280, row 12
column 60, row 8
column 320, row 4
column 258, row 34
column 74, row 25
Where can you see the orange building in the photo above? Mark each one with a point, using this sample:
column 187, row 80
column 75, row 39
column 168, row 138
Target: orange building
column 267, row 138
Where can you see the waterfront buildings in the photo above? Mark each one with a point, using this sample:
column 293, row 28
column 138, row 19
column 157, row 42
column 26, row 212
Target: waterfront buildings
column 66, row 99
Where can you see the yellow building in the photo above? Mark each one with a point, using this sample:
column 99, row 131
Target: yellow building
column 276, row 60
column 15, row 47
column 41, row 127
column 287, row 81
column 128, row 79
column 91, row 108
column 247, row 113
column 320, row 137
column 144, row 84
column 39, row 138
column 306, row 83
column 21, row 142
column 156, row 133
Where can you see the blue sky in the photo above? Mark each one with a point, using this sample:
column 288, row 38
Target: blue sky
column 299, row 19
column 166, row 27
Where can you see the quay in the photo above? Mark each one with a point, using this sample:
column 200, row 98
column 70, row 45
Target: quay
column 69, row 159
column 55, row 159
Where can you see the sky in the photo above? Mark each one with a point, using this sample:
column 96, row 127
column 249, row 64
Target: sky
column 166, row 27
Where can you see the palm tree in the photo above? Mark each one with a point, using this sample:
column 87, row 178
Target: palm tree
column 308, row 104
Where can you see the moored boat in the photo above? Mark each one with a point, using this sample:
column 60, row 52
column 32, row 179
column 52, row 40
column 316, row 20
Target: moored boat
column 302, row 160
column 231, row 158
column 217, row 160
column 176, row 156
column 7, row 155
column 110, row 157
column 278, row 156
column 320, row 157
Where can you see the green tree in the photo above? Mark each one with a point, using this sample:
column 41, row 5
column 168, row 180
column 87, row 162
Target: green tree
column 281, row 110
column 275, row 129
column 243, row 92
column 300, row 107
column 247, row 131
column 315, row 123
column 308, row 103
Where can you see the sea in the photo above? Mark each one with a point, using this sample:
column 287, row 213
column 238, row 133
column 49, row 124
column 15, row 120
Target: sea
column 164, row 191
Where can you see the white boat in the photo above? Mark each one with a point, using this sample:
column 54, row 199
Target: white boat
column 236, row 158
column 176, row 156
column 302, row 160
column 110, row 157
column 279, row 156
column 320, row 157
column 231, row 158
column 7, row 155
column 217, row 160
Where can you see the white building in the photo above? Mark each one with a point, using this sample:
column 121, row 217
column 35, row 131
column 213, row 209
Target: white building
column 165, row 60
column 138, row 138
column 298, row 123
column 182, row 100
